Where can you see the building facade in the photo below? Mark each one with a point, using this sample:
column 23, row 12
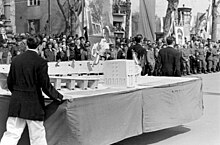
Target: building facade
column 38, row 16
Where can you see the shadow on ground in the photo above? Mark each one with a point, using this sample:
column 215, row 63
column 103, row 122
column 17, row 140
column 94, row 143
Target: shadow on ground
column 154, row 137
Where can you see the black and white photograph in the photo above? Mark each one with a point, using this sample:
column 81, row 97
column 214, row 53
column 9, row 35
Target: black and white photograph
column 109, row 72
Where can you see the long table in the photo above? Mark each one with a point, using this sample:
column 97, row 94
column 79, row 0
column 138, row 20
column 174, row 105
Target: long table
column 109, row 115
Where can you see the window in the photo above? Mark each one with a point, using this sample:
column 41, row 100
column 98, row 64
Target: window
column 34, row 26
column 33, row 2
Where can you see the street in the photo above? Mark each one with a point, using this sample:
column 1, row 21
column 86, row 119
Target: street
column 204, row 131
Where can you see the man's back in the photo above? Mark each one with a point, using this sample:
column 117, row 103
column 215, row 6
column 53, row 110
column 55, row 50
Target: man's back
column 27, row 76
column 26, row 69
column 138, row 49
column 169, row 59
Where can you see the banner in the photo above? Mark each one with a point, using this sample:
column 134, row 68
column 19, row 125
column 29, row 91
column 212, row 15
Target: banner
column 147, row 19
column 179, row 32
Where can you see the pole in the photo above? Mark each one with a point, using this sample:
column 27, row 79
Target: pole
column 71, row 22
column 82, row 16
column 7, row 5
column 49, row 15
column 214, row 20
column 128, row 15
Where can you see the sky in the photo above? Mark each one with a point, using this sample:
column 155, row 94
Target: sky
column 161, row 5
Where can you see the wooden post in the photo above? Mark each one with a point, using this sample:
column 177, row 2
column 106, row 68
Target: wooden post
column 49, row 15
column 128, row 15
column 214, row 20
column 83, row 3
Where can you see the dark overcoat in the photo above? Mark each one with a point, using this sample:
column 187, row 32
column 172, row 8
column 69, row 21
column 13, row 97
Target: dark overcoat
column 169, row 62
column 28, row 77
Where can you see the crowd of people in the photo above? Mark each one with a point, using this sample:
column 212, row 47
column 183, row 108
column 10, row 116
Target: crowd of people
column 51, row 48
column 195, row 56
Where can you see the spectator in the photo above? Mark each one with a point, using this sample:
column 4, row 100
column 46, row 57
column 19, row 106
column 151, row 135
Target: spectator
column 5, row 54
column 49, row 52
column 151, row 60
column 77, row 50
column 89, row 51
column 84, row 53
column 169, row 60
column 122, row 52
column 71, row 50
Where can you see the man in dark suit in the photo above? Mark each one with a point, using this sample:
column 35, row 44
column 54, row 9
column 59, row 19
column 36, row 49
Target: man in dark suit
column 27, row 77
column 169, row 60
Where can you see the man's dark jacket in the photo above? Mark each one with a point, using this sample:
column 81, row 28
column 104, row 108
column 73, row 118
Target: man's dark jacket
column 138, row 49
column 169, row 62
column 28, row 77
column 141, row 56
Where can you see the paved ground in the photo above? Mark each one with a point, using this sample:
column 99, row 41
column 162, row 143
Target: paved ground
column 205, row 131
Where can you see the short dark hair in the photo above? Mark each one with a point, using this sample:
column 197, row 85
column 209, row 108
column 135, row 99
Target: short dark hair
column 138, row 38
column 170, row 40
column 33, row 42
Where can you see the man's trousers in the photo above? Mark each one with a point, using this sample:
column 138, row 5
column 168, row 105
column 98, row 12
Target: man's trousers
column 15, row 127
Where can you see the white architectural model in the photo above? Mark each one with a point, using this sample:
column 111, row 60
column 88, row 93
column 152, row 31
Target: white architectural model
column 121, row 73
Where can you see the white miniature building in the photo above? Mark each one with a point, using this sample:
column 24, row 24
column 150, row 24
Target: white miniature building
column 121, row 73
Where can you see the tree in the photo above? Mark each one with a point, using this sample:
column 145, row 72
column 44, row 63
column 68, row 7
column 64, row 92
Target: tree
column 214, row 18
column 128, row 14
column 64, row 15
column 70, row 9
column 172, row 7
column 96, row 7
column 75, row 10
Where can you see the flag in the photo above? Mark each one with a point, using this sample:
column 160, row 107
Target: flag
column 73, row 64
column 96, row 61
column 89, row 66
column 57, row 64
column 134, row 55
column 146, row 25
column 202, row 17
column 68, row 52
column 95, row 49
column 200, row 22
column 209, row 20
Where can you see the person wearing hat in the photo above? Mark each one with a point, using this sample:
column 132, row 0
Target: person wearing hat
column 151, row 59
column 21, row 45
column 193, row 45
column 201, row 58
column 5, row 54
column 121, row 54
column 83, row 50
column 185, row 59
column 215, row 58
column 145, row 43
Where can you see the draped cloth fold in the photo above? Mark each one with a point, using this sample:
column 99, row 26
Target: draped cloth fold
column 147, row 25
